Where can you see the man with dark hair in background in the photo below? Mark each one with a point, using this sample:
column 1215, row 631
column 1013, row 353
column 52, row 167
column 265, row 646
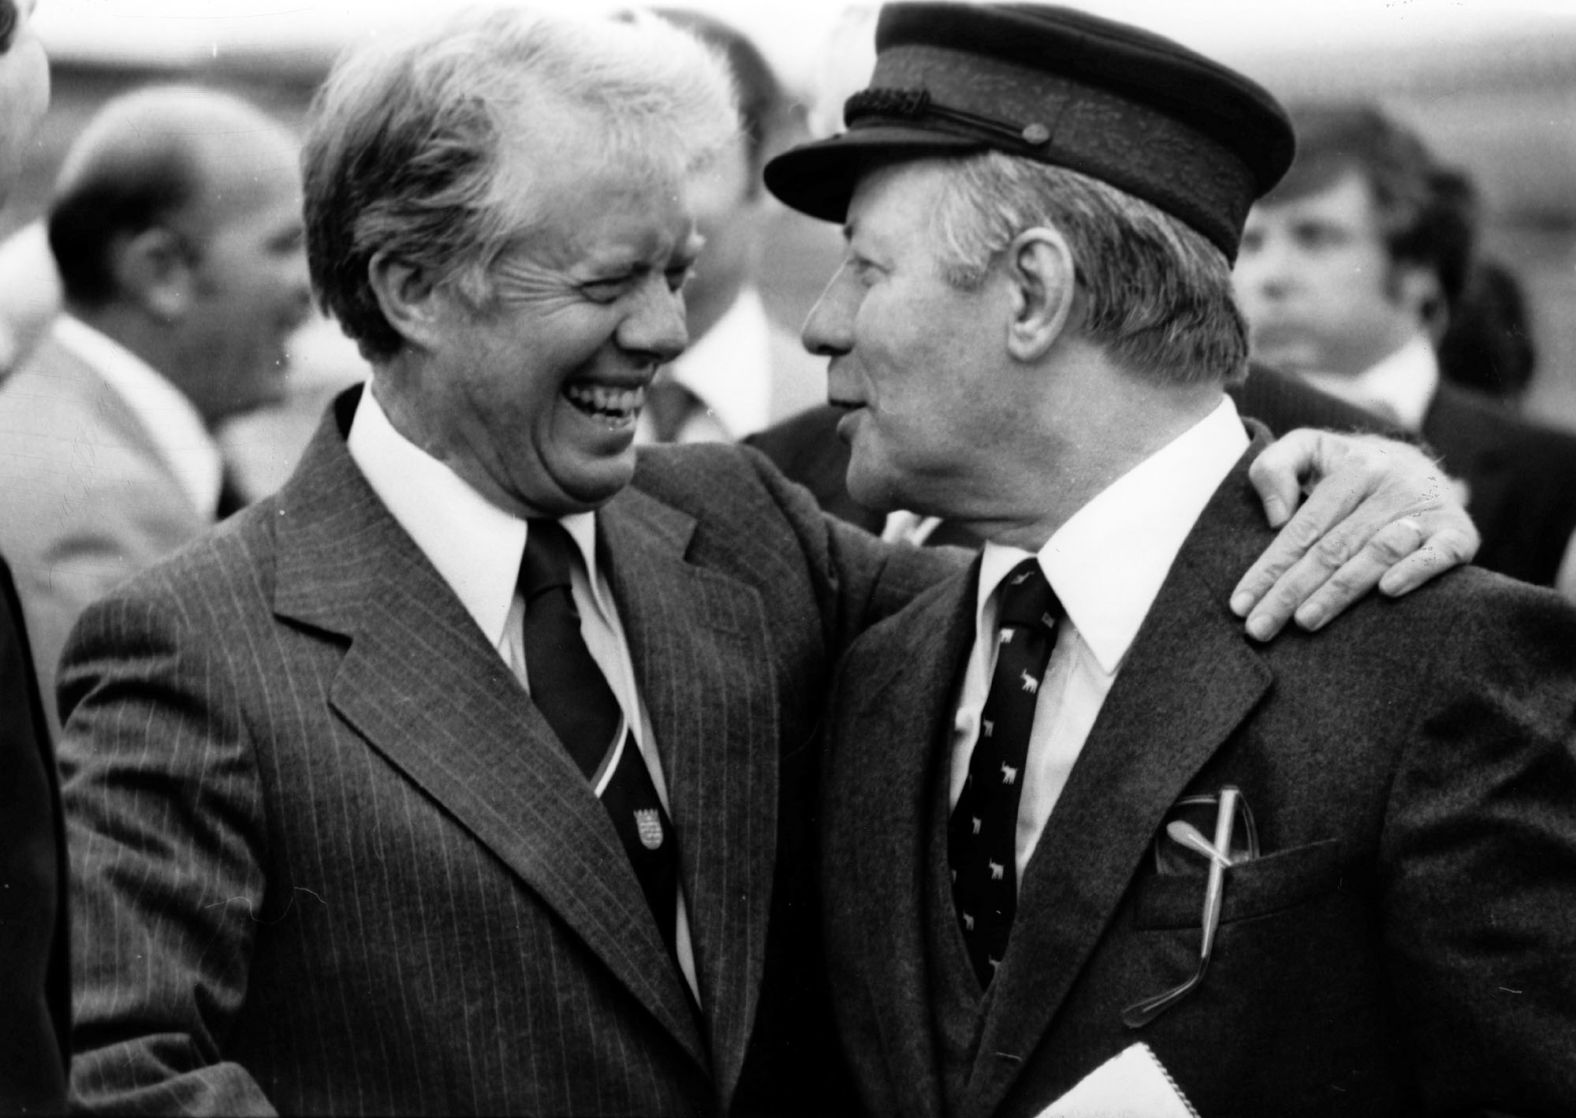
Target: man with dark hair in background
column 742, row 370
column 1349, row 272
column 35, row 994
column 176, row 229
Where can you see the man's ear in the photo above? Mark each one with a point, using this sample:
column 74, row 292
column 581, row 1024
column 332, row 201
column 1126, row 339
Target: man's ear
column 411, row 303
column 154, row 269
column 1039, row 268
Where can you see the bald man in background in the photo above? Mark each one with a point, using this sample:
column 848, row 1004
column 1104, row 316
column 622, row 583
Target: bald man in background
column 176, row 230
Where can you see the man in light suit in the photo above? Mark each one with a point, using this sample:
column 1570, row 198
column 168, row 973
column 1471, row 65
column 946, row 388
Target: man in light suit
column 1080, row 836
column 338, row 843
column 176, row 230
column 35, row 1024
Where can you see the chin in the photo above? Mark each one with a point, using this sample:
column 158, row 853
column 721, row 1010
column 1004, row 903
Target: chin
column 593, row 485
column 872, row 490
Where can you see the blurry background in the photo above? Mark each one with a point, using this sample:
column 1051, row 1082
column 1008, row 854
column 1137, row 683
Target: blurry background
column 1491, row 84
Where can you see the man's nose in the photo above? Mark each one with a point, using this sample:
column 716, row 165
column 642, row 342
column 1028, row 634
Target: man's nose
column 656, row 324
column 828, row 331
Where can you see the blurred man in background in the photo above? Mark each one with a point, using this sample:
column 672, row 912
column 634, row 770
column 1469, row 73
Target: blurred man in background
column 176, row 230
column 1349, row 272
column 742, row 370
column 35, row 1006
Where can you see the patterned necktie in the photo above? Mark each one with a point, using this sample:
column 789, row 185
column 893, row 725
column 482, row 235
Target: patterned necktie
column 982, row 833
column 573, row 695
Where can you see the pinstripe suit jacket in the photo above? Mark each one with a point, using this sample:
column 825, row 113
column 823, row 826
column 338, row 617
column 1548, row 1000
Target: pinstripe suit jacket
column 1404, row 945
column 330, row 858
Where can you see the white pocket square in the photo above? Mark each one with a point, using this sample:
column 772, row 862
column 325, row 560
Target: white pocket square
column 1131, row 1084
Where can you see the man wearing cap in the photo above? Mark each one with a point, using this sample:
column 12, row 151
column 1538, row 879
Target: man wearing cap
column 1080, row 836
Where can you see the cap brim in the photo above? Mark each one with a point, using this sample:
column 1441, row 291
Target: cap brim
column 819, row 178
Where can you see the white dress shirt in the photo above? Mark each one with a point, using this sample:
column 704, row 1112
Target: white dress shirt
column 162, row 410
column 476, row 547
column 1106, row 564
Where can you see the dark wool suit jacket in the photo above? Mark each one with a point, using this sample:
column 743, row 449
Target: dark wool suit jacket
column 34, row 990
column 807, row 450
column 1405, row 944
column 1520, row 477
column 329, row 857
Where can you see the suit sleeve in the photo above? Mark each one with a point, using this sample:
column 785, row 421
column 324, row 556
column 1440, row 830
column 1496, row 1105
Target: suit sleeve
column 1478, row 864
column 166, row 836
column 860, row 578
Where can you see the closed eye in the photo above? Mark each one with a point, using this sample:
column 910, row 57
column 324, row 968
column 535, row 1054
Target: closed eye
column 606, row 290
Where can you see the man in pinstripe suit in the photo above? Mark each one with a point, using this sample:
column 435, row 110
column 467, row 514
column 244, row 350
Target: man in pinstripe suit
column 330, row 856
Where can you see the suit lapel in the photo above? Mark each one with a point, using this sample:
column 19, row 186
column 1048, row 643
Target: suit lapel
column 421, row 684
column 889, row 751
column 1189, row 679
column 699, row 643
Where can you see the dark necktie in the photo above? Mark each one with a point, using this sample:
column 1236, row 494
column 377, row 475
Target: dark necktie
column 982, row 834
column 573, row 695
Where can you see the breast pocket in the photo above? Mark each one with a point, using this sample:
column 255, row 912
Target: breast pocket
column 1259, row 887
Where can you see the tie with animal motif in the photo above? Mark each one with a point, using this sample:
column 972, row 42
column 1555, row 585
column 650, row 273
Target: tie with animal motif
column 573, row 695
column 982, row 833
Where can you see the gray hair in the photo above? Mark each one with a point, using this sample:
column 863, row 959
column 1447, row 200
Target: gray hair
column 1158, row 294
column 403, row 151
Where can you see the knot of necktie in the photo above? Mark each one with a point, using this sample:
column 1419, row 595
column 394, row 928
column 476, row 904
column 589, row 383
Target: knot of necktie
column 549, row 558
column 1026, row 598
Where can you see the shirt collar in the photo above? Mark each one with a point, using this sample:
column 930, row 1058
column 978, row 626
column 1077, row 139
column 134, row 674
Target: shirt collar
column 170, row 420
column 1108, row 561
column 728, row 367
column 1401, row 385
column 474, row 545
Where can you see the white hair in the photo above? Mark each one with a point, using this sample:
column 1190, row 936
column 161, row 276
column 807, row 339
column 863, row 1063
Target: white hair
column 1157, row 293
column 403, row 151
